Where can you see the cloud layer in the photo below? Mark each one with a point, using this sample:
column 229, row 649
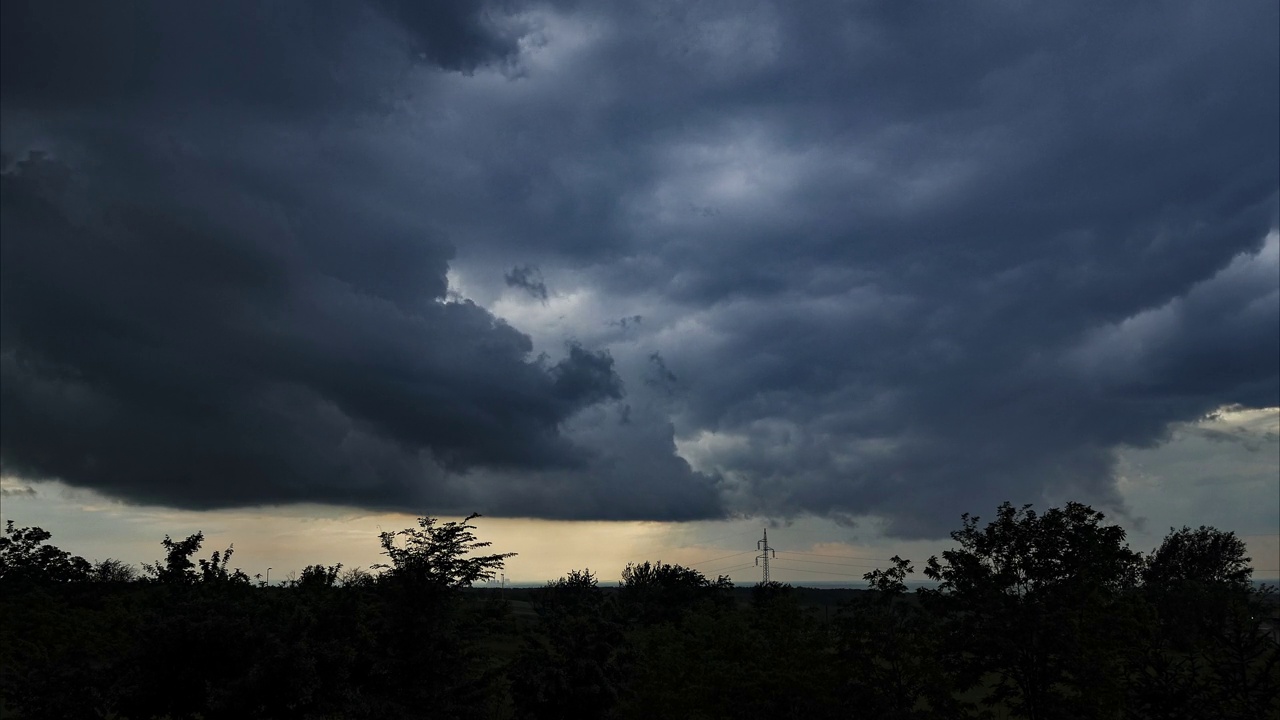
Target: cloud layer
column 668, row 261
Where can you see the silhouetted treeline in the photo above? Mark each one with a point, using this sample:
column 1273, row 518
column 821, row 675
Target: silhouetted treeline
column 1034, row 615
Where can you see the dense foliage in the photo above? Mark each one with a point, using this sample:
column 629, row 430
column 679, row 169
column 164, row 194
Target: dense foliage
column 1034, row 615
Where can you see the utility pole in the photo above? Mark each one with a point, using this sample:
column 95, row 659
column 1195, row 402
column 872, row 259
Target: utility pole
column 765, row 550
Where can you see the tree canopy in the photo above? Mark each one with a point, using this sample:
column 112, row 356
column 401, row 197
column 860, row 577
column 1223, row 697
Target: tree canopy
column 1035, row 615
column 439, row 554
column 25, row 556
column 1023, row 597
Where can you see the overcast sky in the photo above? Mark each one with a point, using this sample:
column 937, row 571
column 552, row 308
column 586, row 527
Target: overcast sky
column 859, row 267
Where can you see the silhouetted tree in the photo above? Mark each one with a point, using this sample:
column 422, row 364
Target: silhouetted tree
column 576, row 592
column 356, row 578
column 1204, row 556
column 1194, row 579
column 430, row 639
column 177, row 567
column 657, row 592
column 1205, row 652
column 1037, row 602
column 438, row 554
column 25, row 556
column 1040, row 616
column 113, row 571
column 318, row 576
column 214, row 569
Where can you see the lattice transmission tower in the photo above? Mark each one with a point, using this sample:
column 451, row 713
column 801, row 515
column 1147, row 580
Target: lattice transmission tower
column 762, row 559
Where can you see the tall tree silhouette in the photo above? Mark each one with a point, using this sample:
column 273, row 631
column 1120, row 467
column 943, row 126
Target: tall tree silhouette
column 1036, row 601
column 25, row 556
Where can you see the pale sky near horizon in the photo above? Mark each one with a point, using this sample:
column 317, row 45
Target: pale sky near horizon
column 1178, row 483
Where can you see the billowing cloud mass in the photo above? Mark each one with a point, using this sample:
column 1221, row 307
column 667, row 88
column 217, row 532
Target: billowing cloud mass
column 637, row 260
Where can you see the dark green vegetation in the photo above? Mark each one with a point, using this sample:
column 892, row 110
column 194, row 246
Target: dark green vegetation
column 1035, row 615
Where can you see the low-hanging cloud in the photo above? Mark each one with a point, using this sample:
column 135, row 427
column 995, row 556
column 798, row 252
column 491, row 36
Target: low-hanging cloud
column 903, row 263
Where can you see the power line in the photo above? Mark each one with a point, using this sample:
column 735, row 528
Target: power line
column 820, row 572
column 722, row 557
column 734, row 563
column 821, row 562
column 846, row 557
column 735, row 568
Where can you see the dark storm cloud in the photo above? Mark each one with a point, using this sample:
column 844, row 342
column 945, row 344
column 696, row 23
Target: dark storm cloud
column 209, row 299
column 888, row 247
column 202, row 349
column 905, row 260
column 290, row 57
column 529, row 279
column 1034, row 182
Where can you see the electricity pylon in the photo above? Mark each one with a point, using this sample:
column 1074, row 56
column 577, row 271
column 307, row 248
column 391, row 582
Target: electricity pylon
column 765, row 550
